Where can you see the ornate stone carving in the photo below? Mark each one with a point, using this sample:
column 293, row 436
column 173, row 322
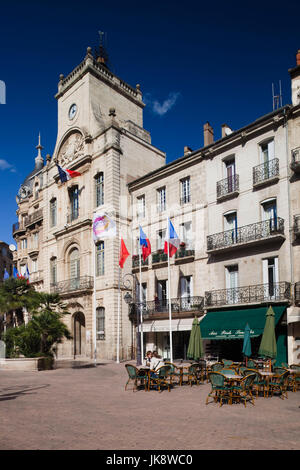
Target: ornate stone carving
column 72, row 148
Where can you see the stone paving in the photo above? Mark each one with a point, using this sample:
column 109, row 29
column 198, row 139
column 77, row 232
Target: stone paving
column 88, row 409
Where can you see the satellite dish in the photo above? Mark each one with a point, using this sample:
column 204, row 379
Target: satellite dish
column 12, row 247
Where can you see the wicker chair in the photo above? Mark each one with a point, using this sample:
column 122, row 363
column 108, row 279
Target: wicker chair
column 259, row 383
column 279, row 383
column 243, row 391
column 161, row 378
column 295, row 378
column 227, row 362
column 138, row 377
column 229, row 371
column 219, row 389
column 174, row 373
column 217, row 366
column 251, row 364
column 190, row 373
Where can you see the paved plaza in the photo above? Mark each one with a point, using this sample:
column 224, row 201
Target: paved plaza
column 87, row 408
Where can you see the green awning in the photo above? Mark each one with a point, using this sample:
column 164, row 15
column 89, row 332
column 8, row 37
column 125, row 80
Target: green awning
column 230, row 324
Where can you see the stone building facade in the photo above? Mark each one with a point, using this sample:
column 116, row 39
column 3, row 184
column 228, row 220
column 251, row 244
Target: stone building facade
column 6, row 260
column 234, row 203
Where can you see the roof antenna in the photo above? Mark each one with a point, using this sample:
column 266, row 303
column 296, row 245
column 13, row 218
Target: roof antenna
column 277, row 99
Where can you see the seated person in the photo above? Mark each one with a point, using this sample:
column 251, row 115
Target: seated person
column 147, row 359
column 156, row 361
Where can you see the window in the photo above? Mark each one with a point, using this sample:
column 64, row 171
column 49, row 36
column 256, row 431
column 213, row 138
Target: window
column 74, row 266
column 36, row 190
column 99, row 189
column 267, row 151
column 74, row 202
column 141, row 207
column 100, row 259
column 53, row 271
column 161, row 235
column 232, row 281
column 185, row 190
column 269, row 216
column 270, row 277
column 230, row 174
column 186, row 235
column 53, row 212
column 35, row 240
column 100, row 322
column 34, row 265
column 186, row 287
column 161, row 199
column 162, row 294
column 24, row 243
column 230, row 228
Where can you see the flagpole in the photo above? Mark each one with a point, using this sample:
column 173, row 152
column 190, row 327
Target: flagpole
column 141, row 308
column 169, row 293
column 94, row 304
column 118, row 326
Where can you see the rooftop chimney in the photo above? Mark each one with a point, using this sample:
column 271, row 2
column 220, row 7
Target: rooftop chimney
column 295, row 80
column 298, row 57
column 226, row 130
column 208, row 134
column 187, row 150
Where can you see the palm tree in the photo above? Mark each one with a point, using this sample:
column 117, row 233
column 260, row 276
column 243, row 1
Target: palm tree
column 15, row 295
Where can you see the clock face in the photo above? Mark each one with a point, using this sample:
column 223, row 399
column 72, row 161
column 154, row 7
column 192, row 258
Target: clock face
column 72, row 111
column 24, row 192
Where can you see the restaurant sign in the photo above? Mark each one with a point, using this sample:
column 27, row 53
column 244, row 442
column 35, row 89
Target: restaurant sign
column 228, row 334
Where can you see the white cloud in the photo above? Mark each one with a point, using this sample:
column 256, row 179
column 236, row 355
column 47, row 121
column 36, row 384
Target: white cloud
column 4, row 165
column 162, row 108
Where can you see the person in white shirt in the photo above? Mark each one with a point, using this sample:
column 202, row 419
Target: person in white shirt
column 156, row 361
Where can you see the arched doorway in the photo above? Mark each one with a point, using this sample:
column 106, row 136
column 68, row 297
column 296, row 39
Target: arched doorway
column 79, row 334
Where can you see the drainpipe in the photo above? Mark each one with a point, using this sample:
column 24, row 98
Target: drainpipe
column 290, row 219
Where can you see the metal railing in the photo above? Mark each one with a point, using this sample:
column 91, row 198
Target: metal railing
column 265, row 171
column 245, row 234
column 184, row 253
column 159, row 257
column 181, row 304
column 70, row 285
column 227, row 186
column 34, row 217
column 136, row 262
column 249, row 294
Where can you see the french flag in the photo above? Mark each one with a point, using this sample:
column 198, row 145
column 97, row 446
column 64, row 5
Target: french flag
column 172, row 241
column 145, row 244
column 66, row 174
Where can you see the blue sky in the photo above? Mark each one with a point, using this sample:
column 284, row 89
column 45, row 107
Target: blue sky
column 196, row 61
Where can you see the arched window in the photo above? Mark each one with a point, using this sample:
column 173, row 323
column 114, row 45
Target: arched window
column 99, row 189
column 100, row 322
column 74, row 264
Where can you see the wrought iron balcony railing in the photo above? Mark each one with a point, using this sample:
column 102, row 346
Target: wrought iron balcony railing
column 295, row 164
column 227, row 186
column 297, row 293
column 159, row 257
column 34, row 217
column 249, row 294
column 136, row 262
column 18, row 227
column 71, row 285
column 266, row 171
column 184, row 304
column 245, row 234
column 184, row 253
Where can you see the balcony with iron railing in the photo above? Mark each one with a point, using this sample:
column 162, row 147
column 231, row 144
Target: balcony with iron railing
column 180, row 305
column 228, row 187
column 159, row 257
column 295, row 163
column 184, row 253
column 18, row 227
column 272, row 229
column 34, row 217
column 79, row 284
column 261, row 293
column 265, row 173
column 297, row 293
column 136, row 261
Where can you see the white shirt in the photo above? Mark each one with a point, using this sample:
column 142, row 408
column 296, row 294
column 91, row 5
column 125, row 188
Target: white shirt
column 155, row 363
